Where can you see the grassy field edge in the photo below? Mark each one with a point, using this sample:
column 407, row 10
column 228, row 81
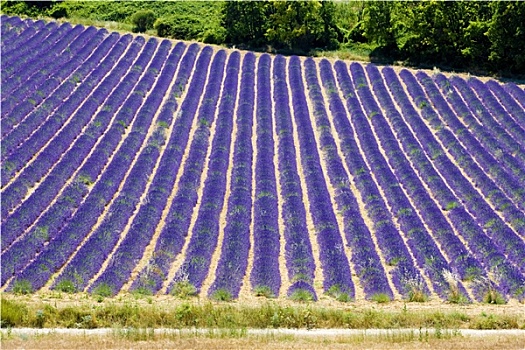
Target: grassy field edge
column 60, row 310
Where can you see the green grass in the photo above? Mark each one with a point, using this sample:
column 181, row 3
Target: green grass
column 195, row 20
column 221, row 295
column 350, row 51
column 66, row 286
column 183, row 290
column 263, row 291
column 302, row 295
column 103, row 290
column 22, row 287
column 86, row 312
column 380, row 298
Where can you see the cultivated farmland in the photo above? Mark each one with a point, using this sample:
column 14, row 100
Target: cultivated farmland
column 141, row 164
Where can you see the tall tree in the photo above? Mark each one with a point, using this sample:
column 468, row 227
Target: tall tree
column 381, row 23
column 507, row 36
column 245, row 22
column 293, row 25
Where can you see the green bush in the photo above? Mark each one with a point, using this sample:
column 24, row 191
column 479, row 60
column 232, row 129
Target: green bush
column 214, row 36
column 22, row 287
column 66, row 286
column 58, row 11
column 221, row 295
column 103, row 290
column 263, row 291
column 12, row 313
column 381, row 298
column 180, row 27
column 143, row 20
column 302, row 295
column 183, row 289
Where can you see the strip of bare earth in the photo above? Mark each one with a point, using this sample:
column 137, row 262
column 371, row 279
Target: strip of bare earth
column 333, row 332
column 226, row 340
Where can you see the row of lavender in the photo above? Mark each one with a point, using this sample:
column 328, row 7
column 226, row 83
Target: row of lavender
column 62, row 154
column 67, row 221
column 103, row 146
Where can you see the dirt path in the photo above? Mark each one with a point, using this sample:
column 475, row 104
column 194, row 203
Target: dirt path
column 334, row 332
column 218, row 340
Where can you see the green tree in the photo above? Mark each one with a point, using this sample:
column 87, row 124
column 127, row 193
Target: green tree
column 381, row 23
column 302, row 25
column 507, row 36
column 244, row 22
column 295, row 25
column 448, row 32
column 143, row 20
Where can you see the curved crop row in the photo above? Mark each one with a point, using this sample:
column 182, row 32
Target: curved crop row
column 157, row 167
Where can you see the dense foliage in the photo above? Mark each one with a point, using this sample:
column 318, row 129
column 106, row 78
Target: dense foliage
column 296, row 25
column 143, row 20
column 479, row 36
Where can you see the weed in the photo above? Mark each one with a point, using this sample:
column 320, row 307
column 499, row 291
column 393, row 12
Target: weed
column 135, row 334
column 22, row 287
column 142, row 291
column 12, row 313
column 380, row 298
column 416, row 289
column 263, row 291
column 490, row 293
column 455, row 296
column 451, row 205
column 493, row 297
column 85, row 179
column 183, row 290
column 221, row 295
column 66, row 286
column 335, row 292
column 103, row 290
column 302, row 295
column 40, row 318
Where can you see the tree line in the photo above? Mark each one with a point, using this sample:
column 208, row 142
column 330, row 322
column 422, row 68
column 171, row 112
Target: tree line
column 481, row 36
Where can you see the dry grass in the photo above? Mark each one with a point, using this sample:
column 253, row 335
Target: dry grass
column 239, row 341
column 60, row 310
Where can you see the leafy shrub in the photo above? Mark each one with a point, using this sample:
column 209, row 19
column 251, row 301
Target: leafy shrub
column 221, row 295
column 58, row 11
column 103, row 290
column 12, row 313
column 302, row 295
column 184, row 28
column 22, row 287
column 214, row 36
column 143, row 20
column 263, row 291
column 66, row 286
column 380, row 298
column 335, row 291
column 184, row 289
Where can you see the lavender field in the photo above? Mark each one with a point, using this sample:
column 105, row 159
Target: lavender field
column 138, row 164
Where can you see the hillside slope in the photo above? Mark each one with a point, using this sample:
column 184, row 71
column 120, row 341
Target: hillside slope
column 144, row 164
